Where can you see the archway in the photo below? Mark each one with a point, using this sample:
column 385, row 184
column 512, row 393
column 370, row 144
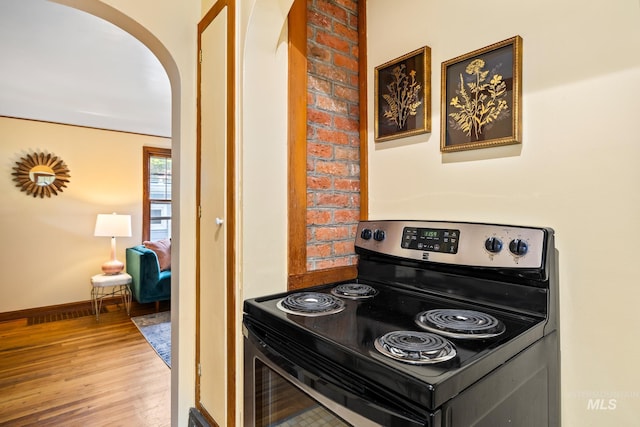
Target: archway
column 126, row 23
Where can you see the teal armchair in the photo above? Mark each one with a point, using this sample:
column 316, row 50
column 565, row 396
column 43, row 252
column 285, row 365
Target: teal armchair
column 149, row 284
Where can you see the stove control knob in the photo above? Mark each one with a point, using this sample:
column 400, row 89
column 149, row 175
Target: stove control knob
column 366, row 234
column 493, row 245
column 378, row 235
column 518, row 247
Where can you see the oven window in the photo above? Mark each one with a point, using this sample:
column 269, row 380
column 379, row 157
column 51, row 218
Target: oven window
column 281, row 404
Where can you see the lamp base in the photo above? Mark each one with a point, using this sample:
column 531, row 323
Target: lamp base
column 112, row 266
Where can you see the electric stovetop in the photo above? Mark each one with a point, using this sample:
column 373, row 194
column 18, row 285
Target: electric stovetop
column 345, row 340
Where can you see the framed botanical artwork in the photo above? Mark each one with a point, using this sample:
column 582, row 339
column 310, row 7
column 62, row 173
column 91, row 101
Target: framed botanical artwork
column 481, row 98
column 403, row 96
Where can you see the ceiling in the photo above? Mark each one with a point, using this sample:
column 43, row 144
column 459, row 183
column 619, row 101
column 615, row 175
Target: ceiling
column 66, row 66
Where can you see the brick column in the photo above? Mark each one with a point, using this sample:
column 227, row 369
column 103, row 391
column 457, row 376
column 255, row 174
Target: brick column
column 333, row 142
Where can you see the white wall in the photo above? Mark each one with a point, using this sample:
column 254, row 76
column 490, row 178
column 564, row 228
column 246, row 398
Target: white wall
column 576, row 170
column 262, row 166
column 264, row 151
column 49, row 248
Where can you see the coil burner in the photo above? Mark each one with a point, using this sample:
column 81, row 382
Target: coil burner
column 310, row 304
column 418, row 348
column 468, row 324
column 354, row 291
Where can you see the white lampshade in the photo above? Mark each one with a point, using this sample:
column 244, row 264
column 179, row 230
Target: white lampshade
column 113, row 225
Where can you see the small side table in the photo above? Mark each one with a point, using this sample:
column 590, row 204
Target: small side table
column 106, row 285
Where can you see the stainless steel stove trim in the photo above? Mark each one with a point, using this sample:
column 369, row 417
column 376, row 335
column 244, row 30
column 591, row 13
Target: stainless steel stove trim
column 471, row 249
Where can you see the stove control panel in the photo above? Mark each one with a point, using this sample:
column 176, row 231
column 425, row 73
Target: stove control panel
column 430, row 239
column 458, row 243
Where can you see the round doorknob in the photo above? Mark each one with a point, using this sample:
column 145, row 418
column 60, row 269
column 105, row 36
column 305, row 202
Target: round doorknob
column 219, row 221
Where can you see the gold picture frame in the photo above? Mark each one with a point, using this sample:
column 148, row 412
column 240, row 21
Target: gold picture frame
column 403, row 96
column 481, row 97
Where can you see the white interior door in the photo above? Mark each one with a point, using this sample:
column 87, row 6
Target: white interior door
column 212, row 318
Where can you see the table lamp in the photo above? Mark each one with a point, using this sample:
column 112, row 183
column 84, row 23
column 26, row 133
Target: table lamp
column 113, row 225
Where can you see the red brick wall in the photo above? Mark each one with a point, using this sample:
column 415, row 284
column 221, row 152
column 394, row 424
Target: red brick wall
column 333, row 158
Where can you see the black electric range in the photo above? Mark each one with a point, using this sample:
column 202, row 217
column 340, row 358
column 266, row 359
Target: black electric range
column 447, row 323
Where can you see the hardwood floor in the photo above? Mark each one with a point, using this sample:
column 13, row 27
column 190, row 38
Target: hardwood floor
column 79, row 372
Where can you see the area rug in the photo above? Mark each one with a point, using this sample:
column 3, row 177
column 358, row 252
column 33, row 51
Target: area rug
column 156, row 329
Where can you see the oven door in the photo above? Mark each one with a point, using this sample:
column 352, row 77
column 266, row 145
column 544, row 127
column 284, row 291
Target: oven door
column 279, row 392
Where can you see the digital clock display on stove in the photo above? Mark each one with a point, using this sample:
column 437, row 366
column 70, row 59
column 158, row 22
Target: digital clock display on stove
column 431, row 239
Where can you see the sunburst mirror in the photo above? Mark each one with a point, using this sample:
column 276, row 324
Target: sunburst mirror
column 41, row 174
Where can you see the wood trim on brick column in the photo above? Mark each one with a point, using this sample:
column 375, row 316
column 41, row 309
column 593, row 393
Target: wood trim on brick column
column 297, row 138
column 364, row 111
